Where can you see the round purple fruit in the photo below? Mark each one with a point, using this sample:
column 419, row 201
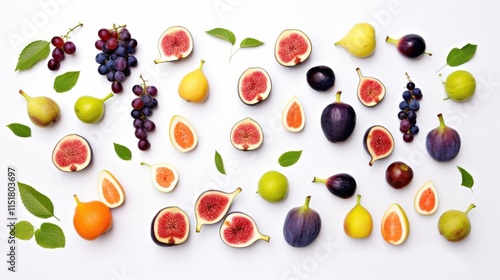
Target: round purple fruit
column 443, row 142
column 398, row 174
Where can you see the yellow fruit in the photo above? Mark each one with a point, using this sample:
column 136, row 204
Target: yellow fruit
column 360, row 40
column 358, row 223
column 91, row 219
column 194, row 86
column 460, row 86
column 273, row 186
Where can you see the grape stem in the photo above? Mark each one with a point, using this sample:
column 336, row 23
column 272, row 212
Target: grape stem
column 71, row 30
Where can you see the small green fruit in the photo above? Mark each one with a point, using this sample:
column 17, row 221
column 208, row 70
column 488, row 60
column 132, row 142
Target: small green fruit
column 90, row 109
column 460, row 86
column 273, row 186
column 454, row 225
column 43, row 111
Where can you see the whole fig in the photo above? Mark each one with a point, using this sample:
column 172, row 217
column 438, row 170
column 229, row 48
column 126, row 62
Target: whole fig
column 454, row 225
column 342, row 185
column 443, row 142
column 338, row 120
column 302, row 225
column 43, row 111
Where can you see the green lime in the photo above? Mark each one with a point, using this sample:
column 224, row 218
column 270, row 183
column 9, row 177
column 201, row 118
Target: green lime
column 460, row 86
column 273, row 186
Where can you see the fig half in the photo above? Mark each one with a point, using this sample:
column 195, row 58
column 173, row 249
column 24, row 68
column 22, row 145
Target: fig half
column 292, row 47
column 370, row 90
column 170, row 227
column 72, row 153
column 175, row 43
column 239, row 230
column 254, row 85
column 212, row 205
column 247, row 135
column 378, row 142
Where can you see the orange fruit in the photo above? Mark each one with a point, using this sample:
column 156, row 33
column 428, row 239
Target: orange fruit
column 165, row 176
column 91, row 219
column 182, row 134
column 395, row 226
column 293, row 115
column 426, row 199
column 110, row 191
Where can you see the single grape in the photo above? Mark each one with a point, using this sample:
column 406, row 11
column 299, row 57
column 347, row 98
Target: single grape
column 155, row 103
column 138, row 123
column 99, row 44
column 414, row 129
column 124, row 34
column 57, row 41
column 143, row 144
column 403, row 105
column 58, row 54
column 411, row 115
column 137, row 90
column 101, row 58
column 69, row 47
column 110, row 64
column 413, row 122
column 414, row 105
column 121, row 51
column 407, row 95
column 114, row 34
column 149, row 125
column 120, row 76
column 148, row 100
column 53, row 64
column 112, row 43
column 404, row 125
column 417, row 94
column 136, row 114
column 410, row 85
column 408, row 137
column 110, row 76
column 140, row 133
column 151, row 90
column 127, row 71
column 132, row 43
column 402, row 115
column 120, row 63
column 137, row 103
column 116, row 87
column 104, row 34
column 147, row 111
column 102, row 69
column 132, row 61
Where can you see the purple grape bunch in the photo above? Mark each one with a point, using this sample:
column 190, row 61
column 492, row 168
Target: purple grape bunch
column 62, row 46
column 408, row 110
column 116, row 56
column 142, row 109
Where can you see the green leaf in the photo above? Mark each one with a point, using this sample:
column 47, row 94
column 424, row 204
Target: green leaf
column 289, row 158
column 35, row 202
column 467, row 179
column 123, row 152
column 250, row 43
column 66, row 81
column 223, row 34
column 50, row 236
column 219, row 163
column 24, row 230
column 458, row 57
column 20, row 130
column 32, row 53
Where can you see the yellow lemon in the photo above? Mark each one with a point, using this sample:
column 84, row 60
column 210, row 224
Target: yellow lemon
column 194, row 86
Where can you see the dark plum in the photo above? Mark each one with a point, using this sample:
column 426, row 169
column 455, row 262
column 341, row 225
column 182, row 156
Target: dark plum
column 302, row 225
column 443, row 142
column 342, row 185
column 398, row 174
column 320, row 78
column 338, row 120
column 410, row 45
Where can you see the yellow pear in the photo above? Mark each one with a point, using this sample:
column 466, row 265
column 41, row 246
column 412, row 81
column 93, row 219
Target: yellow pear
column 360, row 40
column 194, row 86
column 358, row 222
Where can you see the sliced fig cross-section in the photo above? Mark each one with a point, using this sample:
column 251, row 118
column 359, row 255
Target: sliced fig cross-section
column 292, row 47
column 378, row 142
column 293, row 117
column 240, row 230
column 72, row 153
column 254, row 85
column 170, row 227
column 370, row 90
column 212, row 205
column 246, row 135
column 175, row 43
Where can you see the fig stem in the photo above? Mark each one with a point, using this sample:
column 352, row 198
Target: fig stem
column 316, row 180
column 107, row 97
column 24, row 94
column 441, row 120
column 306, row 203
column 391, row 40
column 358, row 199
column 359, row 73
column 201, row 64
column 337, row 96
column 144, row 163
column 471, row 206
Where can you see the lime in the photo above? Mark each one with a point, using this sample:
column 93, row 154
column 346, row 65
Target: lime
column 273, row 186
column 460, row 86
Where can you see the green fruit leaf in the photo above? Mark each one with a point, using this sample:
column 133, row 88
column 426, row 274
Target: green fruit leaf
column 123, row 152
column 50, row 236
column 467, row 179
column 460, row 56
column 219, row 163
column 223, row 34
column 250, row 43
column 289, row 158
column 20, row 130
column 66, row 81
column 24, row 230
column 35, row 202
column 32, row 53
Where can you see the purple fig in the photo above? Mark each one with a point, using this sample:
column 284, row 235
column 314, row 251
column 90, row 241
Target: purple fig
column 410, row 45
column 302, row 225
column 341, row 185
column 443, row 142
column 338, row 120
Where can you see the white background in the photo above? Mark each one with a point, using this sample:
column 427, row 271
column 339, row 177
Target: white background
column 127, row 251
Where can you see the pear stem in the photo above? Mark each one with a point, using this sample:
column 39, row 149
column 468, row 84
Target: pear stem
column 337, row 96
column 24, row 94
column 107, row 97
column 471, row 206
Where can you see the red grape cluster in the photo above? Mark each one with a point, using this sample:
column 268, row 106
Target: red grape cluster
column 117, row 55
column 142, row 109
column 62, row 47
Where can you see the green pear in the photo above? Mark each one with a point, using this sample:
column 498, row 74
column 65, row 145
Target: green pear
column 90, row 109
column 43, row 111
column 360, row 40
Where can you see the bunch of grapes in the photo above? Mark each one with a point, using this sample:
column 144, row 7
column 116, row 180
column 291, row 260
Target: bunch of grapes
column 117, row 55
column 409, row 107
column 142, row 110
column 62, row 46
